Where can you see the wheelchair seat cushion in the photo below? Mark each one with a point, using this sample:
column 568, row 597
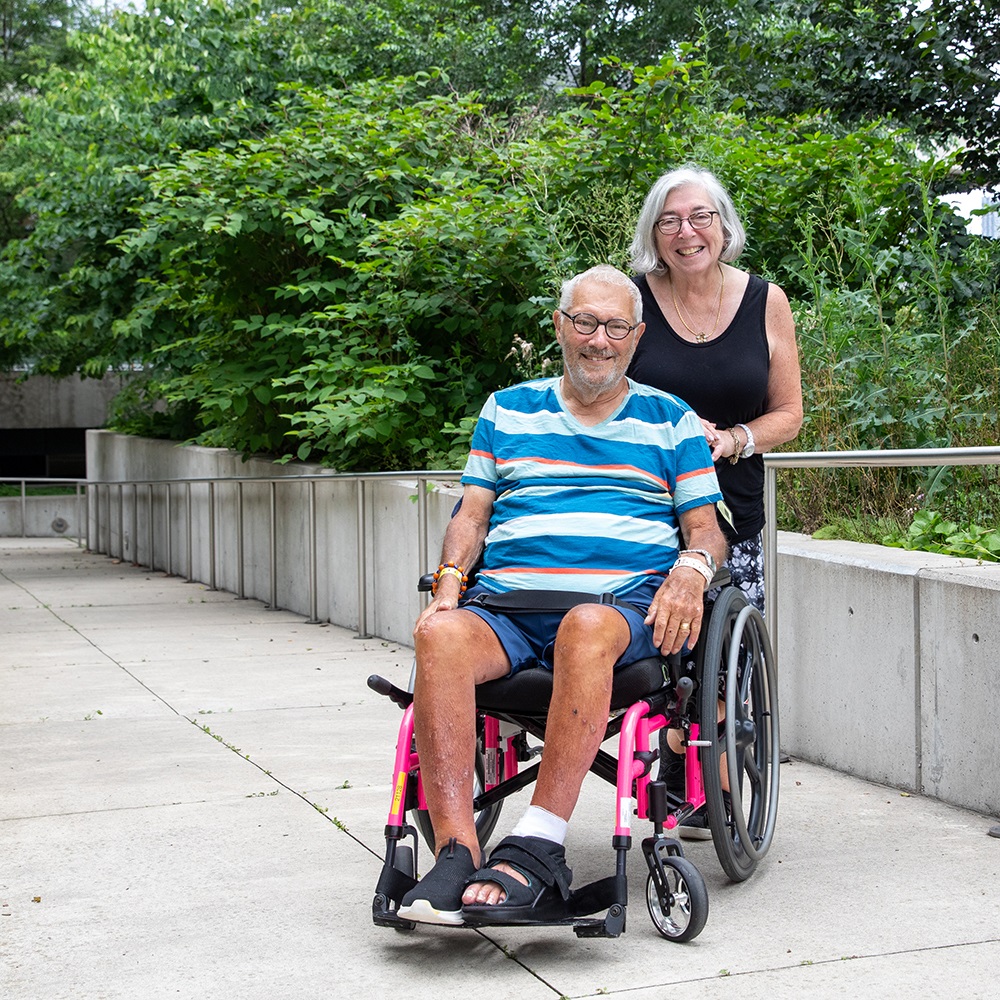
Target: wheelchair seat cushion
column 529, row 692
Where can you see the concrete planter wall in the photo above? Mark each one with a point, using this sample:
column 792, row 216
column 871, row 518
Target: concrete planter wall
column 43, row 516
column 889, row 661
column 889, row 666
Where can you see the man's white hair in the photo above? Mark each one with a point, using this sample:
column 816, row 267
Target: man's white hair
column 604, row 274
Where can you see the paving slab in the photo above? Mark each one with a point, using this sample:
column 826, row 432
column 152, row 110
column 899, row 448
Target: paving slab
column 192, row 797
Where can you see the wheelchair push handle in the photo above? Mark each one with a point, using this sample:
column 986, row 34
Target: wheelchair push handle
column 385, row 687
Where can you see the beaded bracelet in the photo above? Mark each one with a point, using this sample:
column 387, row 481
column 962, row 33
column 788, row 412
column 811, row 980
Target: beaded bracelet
column 450, row 569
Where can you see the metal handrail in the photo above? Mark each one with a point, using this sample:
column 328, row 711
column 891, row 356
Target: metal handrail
column 45, row 481
column 773, row 461
column 103, row 511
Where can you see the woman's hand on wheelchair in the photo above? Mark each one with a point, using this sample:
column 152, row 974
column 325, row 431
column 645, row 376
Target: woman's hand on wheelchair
column 676, row 611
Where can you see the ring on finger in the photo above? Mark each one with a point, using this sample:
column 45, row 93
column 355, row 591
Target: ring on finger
column 685, row 626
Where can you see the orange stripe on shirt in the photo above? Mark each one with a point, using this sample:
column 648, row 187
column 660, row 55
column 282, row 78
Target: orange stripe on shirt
column 645, row 473
column 694, row 472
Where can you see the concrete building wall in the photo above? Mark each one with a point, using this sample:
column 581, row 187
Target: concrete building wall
column 889, row 661
column 42, row 401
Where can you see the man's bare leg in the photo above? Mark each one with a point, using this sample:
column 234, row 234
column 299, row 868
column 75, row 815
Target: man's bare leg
column 455, row 651
column 589, row 642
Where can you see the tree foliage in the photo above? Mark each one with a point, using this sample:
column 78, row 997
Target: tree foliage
column 306, row 241
column 931, row 65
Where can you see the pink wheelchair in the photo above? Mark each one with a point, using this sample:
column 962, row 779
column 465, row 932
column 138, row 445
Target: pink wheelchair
column 729, row 766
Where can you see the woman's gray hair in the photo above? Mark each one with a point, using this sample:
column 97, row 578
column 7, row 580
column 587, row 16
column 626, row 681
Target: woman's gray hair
column 645, row 259
column 605, row 274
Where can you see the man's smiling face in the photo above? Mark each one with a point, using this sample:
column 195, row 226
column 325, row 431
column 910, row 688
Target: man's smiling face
column 596, row 364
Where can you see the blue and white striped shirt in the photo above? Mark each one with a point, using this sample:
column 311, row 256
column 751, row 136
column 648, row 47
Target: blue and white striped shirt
column 590, row 509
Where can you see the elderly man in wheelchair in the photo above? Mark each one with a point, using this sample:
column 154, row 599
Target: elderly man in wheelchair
column 589, row 509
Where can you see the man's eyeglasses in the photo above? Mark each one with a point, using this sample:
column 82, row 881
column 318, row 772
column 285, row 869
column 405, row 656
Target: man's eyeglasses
column 586, row 323
column 670, row 225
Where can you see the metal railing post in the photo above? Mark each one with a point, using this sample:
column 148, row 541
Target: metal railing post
column 87, row 491
column 79, row 521
column 771, row 556
column 149, row 526
column 169, row 567
column 135, row 525
column 422, row 544
column 121, row 524
column 190, row 568
column 313, row 596
column 273, row 543
column 211, row 535
column 362, row 566
column 24, row 509
column 240, row 588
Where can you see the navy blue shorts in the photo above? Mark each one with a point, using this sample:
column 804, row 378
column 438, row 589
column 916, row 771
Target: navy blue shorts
column 528, row 639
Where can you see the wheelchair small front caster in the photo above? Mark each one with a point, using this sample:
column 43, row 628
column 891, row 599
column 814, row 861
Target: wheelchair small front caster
column 679, row 909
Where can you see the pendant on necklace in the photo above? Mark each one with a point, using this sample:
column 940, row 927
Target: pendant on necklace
column 701, row 338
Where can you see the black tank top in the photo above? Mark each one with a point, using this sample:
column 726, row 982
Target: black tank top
column 724, row 381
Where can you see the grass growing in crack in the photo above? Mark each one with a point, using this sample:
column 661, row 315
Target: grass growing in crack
column 228, row 746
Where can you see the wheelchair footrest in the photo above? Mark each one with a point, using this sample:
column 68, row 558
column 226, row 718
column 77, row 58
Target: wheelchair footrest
column 382, row 916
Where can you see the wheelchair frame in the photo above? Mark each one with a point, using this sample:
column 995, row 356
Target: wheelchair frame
column 733, row 662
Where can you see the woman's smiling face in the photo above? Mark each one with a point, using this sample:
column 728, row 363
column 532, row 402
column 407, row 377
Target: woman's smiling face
column 691, row 250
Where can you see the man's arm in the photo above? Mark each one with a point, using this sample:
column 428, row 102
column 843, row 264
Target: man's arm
column 681, row 598
column 463, row 544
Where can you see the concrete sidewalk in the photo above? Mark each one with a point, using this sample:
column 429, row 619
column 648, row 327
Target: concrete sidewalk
column 193, row 791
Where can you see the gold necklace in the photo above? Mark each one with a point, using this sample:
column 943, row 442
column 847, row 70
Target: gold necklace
column 699, row 335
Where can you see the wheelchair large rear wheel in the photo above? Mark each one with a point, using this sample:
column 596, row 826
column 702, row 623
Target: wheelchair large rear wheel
column 737, row 669
column 486, row 819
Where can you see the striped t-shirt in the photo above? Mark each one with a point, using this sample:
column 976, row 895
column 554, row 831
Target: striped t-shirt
column 590, row 509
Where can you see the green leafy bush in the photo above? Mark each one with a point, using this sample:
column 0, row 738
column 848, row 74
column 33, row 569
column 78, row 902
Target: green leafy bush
column 326, row 249
column 931, row 532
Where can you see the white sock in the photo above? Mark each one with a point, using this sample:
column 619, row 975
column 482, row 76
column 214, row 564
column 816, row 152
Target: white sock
column 539, row 822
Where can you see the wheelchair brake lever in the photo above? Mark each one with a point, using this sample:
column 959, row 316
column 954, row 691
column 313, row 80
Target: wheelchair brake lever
column 683, row 690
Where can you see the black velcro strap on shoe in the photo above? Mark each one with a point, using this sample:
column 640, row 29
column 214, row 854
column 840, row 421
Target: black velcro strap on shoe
column 519, row 602
column 534, row 857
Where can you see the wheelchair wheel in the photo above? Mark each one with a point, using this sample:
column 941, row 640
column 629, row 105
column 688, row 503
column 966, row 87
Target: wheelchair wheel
column 486, row 819
column 687, row 907
column 737, row 666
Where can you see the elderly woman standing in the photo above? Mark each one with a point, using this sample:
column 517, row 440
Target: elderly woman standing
column 721, row 339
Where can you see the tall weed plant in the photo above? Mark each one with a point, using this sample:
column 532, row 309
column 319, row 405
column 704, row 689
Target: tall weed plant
column 900, row 349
